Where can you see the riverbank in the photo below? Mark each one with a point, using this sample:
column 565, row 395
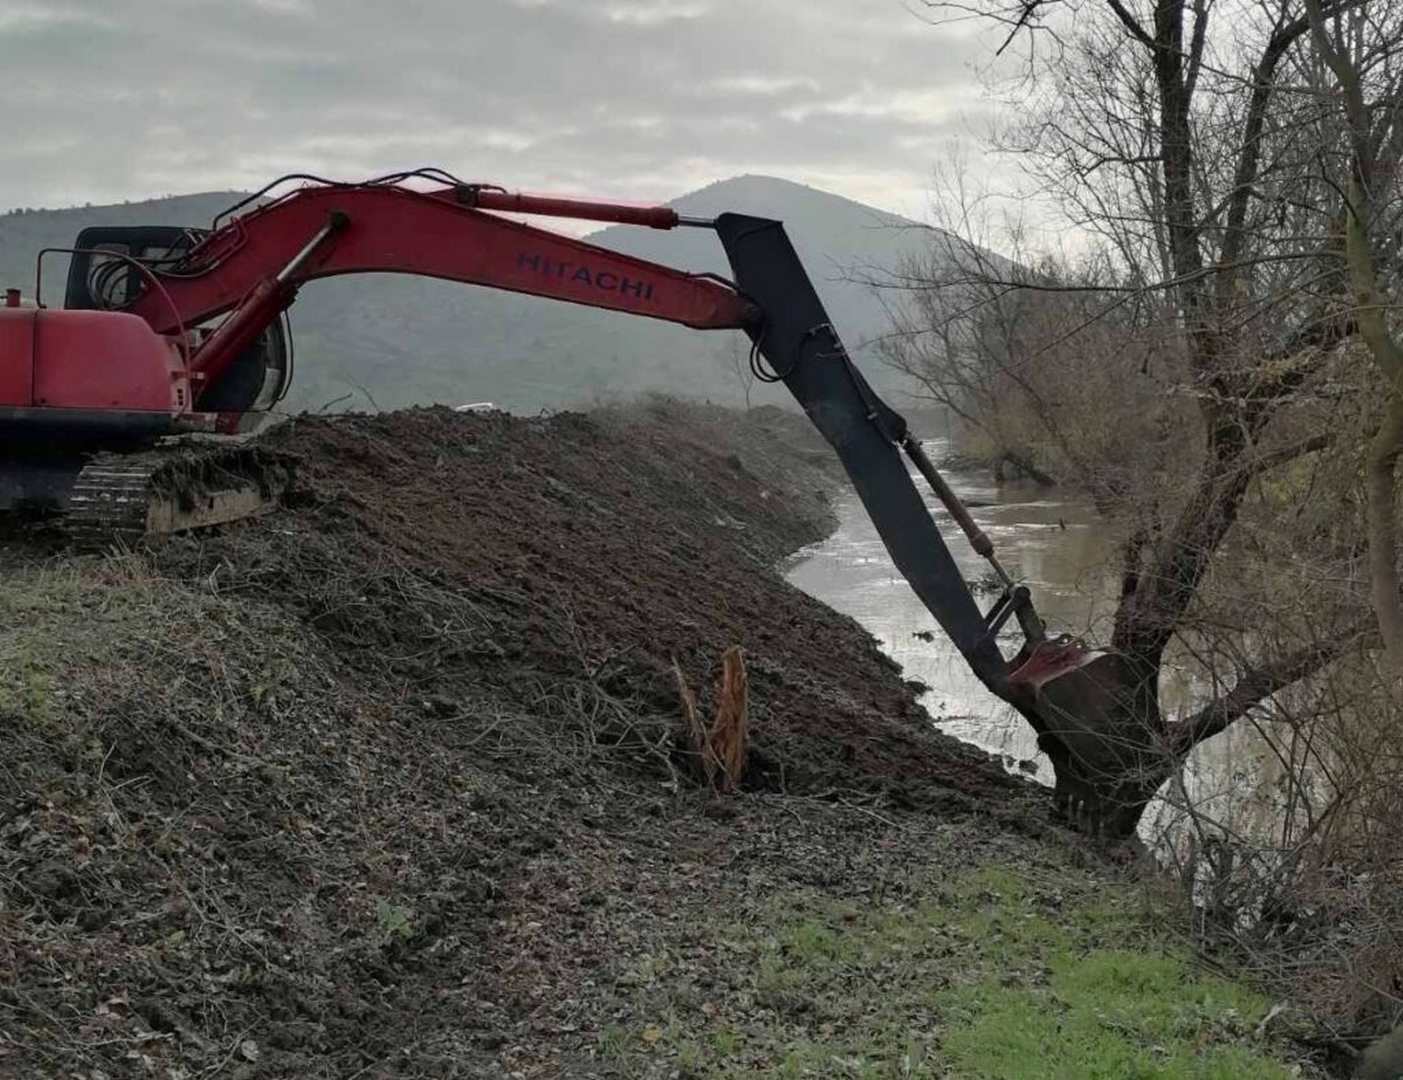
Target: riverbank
column 390, row 783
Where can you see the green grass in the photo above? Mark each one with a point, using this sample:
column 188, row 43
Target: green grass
column 1112, row 1013
column 991, row 976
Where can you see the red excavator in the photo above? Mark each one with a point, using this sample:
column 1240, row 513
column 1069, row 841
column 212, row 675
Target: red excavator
column 179, row 332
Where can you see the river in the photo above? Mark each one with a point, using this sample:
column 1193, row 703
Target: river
column 1062, row 550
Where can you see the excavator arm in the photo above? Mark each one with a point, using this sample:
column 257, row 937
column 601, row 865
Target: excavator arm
column 804, row 350
column 251, row 269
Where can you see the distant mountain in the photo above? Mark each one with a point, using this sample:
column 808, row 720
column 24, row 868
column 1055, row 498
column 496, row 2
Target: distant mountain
column 395, row 340
column 836, row 238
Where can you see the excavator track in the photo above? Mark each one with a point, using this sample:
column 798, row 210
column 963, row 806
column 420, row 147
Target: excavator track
column 126, row 497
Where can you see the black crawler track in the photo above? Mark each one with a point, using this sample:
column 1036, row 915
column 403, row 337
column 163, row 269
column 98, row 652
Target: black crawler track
column 124, row 497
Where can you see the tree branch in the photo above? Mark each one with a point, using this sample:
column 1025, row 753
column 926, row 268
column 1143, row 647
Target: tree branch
column 1132, row 24
column 1280, row 456
column 1259, row 683
column 1200, row 34
column 1263, row 78
column 1029, row 7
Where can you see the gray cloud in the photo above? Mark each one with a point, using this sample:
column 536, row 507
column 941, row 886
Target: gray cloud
column 636, row 99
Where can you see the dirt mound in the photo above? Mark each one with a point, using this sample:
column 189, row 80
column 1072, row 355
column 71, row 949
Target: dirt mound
column 581, row 554
column 271, row 792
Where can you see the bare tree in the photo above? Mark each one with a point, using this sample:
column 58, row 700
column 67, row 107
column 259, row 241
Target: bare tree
column 1362, row 48
column 1013, row 343
column 1178, row 138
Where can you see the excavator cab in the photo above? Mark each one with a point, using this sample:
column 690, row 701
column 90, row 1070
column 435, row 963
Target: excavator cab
column 99, row 279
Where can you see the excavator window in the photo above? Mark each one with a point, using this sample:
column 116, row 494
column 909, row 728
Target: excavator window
column 97, row 282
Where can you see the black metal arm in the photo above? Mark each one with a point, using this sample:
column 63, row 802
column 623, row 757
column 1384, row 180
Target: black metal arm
column 802, row 348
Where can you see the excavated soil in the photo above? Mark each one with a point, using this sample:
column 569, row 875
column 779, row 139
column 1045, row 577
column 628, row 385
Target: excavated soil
column 461, row 552
column 389, row 781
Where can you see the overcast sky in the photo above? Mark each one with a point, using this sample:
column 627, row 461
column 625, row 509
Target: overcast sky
column 634, row 99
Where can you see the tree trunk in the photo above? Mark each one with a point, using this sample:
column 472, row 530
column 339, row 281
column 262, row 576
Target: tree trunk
column 1384, row 451
column 1387, row 444
column 1112, row 748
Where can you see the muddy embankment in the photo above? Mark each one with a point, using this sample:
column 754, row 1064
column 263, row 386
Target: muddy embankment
column 385, row 782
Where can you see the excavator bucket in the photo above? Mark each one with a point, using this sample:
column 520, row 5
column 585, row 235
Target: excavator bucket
column 1047, row 663
column 1096, row 717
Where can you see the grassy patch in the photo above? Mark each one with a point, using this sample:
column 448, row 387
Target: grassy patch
column 996, row 974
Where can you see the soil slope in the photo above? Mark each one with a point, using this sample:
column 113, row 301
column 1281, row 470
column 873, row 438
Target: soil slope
column 382, row 783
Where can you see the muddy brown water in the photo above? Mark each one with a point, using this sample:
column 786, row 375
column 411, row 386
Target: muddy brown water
column 1062, row 550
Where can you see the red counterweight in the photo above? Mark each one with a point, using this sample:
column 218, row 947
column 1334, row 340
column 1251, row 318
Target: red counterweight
column 88, row 360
